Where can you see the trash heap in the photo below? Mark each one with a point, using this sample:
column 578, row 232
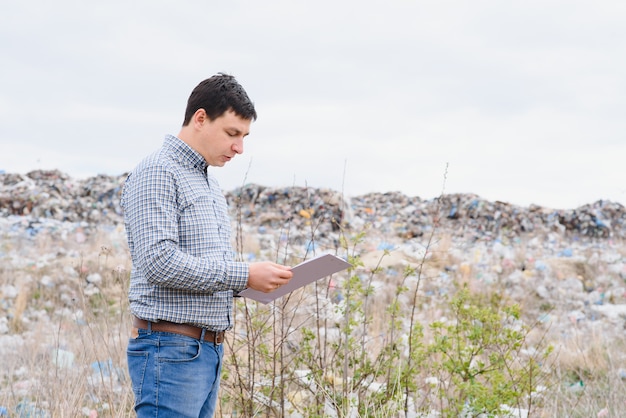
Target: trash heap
column 409, row 217
column 566, row 266
column 54, row 195
column 41, row 195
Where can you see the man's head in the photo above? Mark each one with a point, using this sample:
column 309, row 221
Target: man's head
column 218, row 118
column 217, row 95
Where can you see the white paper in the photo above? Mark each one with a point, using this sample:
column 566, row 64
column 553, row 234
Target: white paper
column 303, row 274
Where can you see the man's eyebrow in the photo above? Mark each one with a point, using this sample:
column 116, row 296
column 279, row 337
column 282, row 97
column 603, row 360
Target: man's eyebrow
column 237, row 131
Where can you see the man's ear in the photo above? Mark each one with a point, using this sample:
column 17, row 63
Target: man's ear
column 199, row 118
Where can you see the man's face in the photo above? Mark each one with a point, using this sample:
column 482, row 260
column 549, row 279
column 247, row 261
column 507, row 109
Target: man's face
column 222, row 138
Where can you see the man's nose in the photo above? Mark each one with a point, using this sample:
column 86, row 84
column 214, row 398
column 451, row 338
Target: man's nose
column 238, row 147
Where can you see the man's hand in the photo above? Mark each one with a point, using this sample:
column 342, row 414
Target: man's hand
column 267, row 276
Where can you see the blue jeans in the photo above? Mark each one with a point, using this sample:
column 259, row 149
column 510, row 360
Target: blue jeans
column 173, row 375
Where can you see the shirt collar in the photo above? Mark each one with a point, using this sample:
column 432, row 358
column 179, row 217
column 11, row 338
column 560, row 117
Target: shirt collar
column 184, row 153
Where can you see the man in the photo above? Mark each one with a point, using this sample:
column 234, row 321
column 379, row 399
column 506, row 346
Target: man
column 184, row 274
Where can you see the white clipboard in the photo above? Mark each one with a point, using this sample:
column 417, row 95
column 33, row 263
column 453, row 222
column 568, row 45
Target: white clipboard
column 303, row 274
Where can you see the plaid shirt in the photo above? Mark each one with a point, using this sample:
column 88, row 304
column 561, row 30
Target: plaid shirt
column 179, row 235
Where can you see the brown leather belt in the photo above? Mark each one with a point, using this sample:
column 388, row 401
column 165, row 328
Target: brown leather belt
column 182, row 329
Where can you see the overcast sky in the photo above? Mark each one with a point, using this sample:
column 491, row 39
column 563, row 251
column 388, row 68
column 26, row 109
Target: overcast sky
column 518, row 101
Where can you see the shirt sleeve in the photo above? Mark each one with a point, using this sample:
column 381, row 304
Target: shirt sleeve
column 152, row 210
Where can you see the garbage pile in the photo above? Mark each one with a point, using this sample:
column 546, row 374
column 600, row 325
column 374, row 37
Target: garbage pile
column 410, row 217
column 567, row 266
column 54, row 195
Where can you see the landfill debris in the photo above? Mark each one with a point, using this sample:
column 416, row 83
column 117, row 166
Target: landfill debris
column 54, row 195
column 567, row 266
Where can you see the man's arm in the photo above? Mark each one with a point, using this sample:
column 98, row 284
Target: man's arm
column 152, row 213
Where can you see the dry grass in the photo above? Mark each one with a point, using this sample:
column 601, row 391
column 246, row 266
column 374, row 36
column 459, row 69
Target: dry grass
column 68, row 325
column 64, row 353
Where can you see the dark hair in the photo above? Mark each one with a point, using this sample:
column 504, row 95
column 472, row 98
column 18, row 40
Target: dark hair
column 217, row 95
